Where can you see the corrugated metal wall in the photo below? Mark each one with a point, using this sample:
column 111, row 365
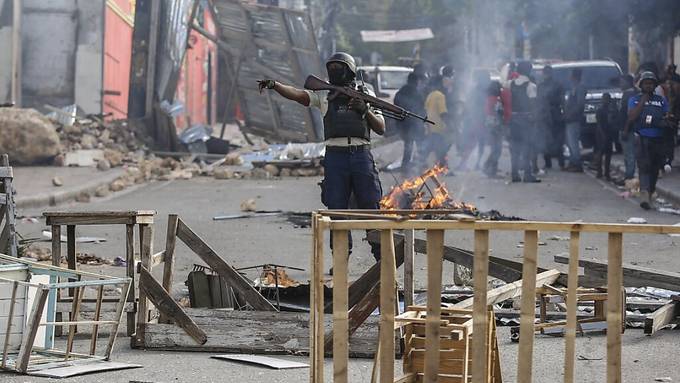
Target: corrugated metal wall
column 117, row 54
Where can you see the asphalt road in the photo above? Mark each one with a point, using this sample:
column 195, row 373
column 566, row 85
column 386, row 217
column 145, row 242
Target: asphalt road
column 245, row 242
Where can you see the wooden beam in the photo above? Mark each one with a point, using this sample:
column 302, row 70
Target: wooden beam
column 233, row 278
column 661, row 317
column 633, row 276
column 166, row 305
column 340, row 317
column 528, row 307
column 480, row 274
column 169, row 259
column 409, row 253
column 387, row 302
column 30, row 331
column 435, row 253
column 511, row 290
column 8, row 330
column 570, row 331
column 130, row 272
column 614, row 307
column 357, row 315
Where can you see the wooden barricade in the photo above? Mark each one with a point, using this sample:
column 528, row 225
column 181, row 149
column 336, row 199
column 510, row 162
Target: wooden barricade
column 20, row 353
column 480, row 369
column 8, row 238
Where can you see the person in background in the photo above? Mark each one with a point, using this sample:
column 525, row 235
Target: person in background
column 494, row 124
column 573, row 117
column 410, row 97
column 605, row 133
column 551, row 100
column 473, row 132
column 673, row 118
column 647, row 117
column 522, row 123
column 438, row 140
column 629, row 90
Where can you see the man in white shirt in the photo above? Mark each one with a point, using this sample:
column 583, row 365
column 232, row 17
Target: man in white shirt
column 349, row 168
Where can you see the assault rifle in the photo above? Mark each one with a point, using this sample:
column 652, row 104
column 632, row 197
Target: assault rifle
column 387, row 109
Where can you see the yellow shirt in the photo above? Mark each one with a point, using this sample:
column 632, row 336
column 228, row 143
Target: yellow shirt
column 435, row 105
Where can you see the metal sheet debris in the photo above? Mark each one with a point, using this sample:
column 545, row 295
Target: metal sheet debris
column 278, row 364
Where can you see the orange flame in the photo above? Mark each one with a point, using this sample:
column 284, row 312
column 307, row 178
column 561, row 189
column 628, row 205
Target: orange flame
column 410, row 194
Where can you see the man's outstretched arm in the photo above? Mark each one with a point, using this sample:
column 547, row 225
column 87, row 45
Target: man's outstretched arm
column 290, row 92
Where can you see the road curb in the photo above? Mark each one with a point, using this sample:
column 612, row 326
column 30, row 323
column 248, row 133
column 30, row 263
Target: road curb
column 62, row 196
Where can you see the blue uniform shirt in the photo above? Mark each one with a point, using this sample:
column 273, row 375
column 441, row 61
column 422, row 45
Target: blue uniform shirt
column 648, row 123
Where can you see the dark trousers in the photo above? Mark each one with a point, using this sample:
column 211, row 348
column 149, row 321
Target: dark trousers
column 410, row 135
column 351, row 174
column 651, row 154
column 554, row 143
column 495, row 141
column 521, row 148
column 604, row 140
column 438, row 144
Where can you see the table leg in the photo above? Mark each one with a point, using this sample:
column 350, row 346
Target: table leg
column 130, row 260
column 54, row 295
column 71, row 252
column 145, row 250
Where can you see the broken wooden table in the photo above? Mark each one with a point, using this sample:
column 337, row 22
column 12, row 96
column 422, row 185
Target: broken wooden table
column 144, row 219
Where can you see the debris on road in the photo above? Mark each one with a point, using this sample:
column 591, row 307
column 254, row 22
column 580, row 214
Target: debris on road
column 249, row 205
column 277, row 364
column 636, row 220
column 48, row 237
column 56, row 181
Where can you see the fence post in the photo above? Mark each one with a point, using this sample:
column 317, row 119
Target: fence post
column 480, row 266
column 340, row 315
column 572, row 286
column 614, row 302
column 387, row 302
column 435, row 256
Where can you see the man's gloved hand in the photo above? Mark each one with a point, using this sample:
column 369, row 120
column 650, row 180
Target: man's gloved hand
column 358, row 105
column 265, row 84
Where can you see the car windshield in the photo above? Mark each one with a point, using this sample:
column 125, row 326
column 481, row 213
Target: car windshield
column 393, row 79
column 594, row 77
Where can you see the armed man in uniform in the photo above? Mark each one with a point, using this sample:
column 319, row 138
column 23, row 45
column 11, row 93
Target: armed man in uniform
column 349, row 168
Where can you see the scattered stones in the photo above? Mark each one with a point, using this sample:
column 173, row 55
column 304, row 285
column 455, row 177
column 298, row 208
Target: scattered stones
column 221, row 173
column 102, row 191
column 117, row 185
column 285, row 172
column 88, row 141
column 56, row 181
column 59, row 160
column 40, row 254
column 83, row 197
column 233, row 159
column 260, row 174
column 103, row 165
column 114, row 157
column 249, row 205
column 272, row 169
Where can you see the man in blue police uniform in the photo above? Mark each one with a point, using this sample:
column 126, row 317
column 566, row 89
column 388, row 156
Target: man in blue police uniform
column 647, row 116
column 349, row 168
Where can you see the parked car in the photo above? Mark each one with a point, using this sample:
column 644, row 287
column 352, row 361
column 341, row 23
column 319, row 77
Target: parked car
column 598, row 77
column 386, row 80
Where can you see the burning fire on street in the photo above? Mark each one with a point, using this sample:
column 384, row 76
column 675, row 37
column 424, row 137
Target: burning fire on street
column 427, row 192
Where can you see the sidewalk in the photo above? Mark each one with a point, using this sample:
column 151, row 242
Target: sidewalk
column 34, row 186
column 667, row 187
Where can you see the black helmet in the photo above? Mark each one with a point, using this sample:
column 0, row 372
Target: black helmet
column 344, row 58
column 647, row 75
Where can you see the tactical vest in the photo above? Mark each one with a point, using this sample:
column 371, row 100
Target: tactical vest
column 520, row 100
column 340, row 121
column 649, row 123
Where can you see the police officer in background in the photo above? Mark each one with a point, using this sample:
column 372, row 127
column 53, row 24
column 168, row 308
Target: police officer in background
column 522, row 123
column 647, row 117
column 349, row 168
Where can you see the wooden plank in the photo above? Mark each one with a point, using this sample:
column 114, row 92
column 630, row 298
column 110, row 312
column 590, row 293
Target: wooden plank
column 409, row 252
column 528, row 308
column 614, row 303
column 97, row 316
column 71, row 252
column 165, row 304
column 169, row 265
column 633, row 275
column 313, row 292
column 125, row 291
column 75, row 314
column 28, row 338
column 145, row 250
column 387, row 302
column 570, row 331
column 480, row 368
column 340, row 316
column 51, row 332
column 435, row 254
column 258, row 332
column 233, row 278
column 130, row 272
column 502, row 226
column 358, row 314
column 9, row 231
column 8, row 331
column 661, row 317
column 510, row 290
